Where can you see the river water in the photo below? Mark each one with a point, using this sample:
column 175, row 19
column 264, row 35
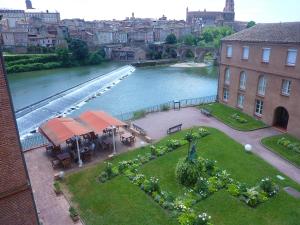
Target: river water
column 142, row 88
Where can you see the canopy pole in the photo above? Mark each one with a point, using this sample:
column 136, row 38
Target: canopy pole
column 78, row 152
column 114, row 142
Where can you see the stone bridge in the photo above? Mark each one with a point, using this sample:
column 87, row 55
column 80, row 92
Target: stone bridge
column 195, row 52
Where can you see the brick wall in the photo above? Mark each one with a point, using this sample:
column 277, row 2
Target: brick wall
column 17, row 205
column 275, row 72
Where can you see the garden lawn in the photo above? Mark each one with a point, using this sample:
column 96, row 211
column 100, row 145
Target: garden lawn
column 290, row 155
column 224, row 113
column 120, row 202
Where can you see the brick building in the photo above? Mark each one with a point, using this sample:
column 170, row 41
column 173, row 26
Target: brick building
column 17, row 205
column 260, row 74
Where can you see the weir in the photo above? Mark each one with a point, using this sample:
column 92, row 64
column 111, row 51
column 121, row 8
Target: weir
column 31, row 117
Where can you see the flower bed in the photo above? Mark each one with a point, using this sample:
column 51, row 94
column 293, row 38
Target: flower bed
column 210, row 179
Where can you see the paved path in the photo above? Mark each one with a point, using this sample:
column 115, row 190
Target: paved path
column 156, row 125
column 52, row 209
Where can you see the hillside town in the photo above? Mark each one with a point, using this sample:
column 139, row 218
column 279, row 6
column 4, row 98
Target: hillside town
column 35, row 31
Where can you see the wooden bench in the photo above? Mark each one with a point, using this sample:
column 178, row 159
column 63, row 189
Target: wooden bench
column 139, row 129
column 174, row 129
column 206, row 112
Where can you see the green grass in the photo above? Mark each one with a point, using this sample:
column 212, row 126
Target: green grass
column 224, row 113
column 290, row 155
column 120, row 202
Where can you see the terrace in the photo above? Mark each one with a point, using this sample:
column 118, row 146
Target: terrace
column 103, row 203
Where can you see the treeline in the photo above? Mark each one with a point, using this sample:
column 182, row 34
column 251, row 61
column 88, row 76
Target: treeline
column 210, row 37
column 77, row 54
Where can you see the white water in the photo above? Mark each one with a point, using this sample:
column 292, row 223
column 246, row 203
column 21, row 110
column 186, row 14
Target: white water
column 70, row 100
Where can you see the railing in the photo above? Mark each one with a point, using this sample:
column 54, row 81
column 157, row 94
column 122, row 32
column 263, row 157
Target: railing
column 33, row 141
column 167, row 105
column 37, row 140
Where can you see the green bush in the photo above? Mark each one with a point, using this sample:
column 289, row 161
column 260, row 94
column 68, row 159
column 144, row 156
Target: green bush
column 268, row 186
column 139, row 114
column 201, row 186
column 73, row 212
column 164, row 107
column 187, row 172
column 234, row 190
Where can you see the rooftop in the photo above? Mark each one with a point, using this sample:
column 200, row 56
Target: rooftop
column 269, row 32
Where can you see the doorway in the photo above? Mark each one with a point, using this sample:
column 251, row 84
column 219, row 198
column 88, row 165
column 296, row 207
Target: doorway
column 281, row 118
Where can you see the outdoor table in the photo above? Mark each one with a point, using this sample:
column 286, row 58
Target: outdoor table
column 127, row 138
column 65, row 159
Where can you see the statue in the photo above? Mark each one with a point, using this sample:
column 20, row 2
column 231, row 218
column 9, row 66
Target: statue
column 192, row 155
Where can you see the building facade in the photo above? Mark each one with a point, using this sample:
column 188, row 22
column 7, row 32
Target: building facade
column 17, row 205
column 209, row 18
column 260, row 74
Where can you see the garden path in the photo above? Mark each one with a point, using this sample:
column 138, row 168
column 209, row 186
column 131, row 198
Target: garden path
column 156, row 125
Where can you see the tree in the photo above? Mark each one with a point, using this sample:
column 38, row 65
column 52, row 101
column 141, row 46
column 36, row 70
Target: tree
column 171, row 39
column 63, row 56
column 251, row 24
column 190, row 40
column 95, row 58
column 212, row 36
column 79, row 49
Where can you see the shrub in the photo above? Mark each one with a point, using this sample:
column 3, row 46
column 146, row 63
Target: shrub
column 203, row 132
column 57, row 188
column 173, row 144
column 73, row 213
column 201, row 186
column 239, row 118
column 187, row 172
column 165, row 107
column 139, row 114
column 251, row 197
column 268, row 186
column 210, row 166
column 151, row 185
column 234, row 190
column 138, row 179
column 103, row 177
column 202, row 219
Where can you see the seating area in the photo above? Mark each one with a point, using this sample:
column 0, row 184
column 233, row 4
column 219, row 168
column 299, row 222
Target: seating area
column 81, row 139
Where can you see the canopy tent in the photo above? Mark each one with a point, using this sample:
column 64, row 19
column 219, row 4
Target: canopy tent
column 58, row 130
column 98, row 121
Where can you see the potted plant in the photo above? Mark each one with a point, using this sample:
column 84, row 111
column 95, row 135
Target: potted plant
column 73, row 214
column 57, row 188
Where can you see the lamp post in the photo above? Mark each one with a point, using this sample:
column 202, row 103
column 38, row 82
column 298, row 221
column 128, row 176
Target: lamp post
column 78, row 152
column 114, row 143
column 248, row 148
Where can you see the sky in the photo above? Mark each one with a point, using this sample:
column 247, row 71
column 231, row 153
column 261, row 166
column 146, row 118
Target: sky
column 257, row 10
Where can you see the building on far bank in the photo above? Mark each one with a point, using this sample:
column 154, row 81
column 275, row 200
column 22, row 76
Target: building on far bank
column 260, row 74
column 128, row 54
column 208, row 18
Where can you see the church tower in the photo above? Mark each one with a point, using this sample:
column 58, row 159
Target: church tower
column 28, row 4
column 229, row 6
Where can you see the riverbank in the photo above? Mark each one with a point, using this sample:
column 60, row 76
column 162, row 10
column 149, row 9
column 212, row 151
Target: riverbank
column 189, row 65
column 154, row 62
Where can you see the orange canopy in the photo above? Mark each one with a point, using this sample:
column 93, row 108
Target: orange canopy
column 58, row 130
column 98, row 120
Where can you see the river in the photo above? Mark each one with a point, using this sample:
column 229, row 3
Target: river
column 142, row 88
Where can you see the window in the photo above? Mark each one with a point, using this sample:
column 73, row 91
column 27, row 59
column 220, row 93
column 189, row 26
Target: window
column 227, row 76
column 259, row 106
column 286, row 87
column 225, row 95
column 266, row 55
column 243, row 80
column 291, row 57
column 245, row 52
column 229, row 51
column 262, row 84
column 240, row 101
